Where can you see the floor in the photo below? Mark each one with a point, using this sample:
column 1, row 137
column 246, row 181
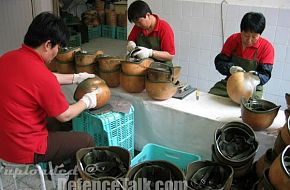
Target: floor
column 114, row 48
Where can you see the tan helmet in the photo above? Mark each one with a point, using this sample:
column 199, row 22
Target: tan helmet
column 240, row 84
column 91, row 84
column 279, row 173
column 137, row 67
column 160, row 90
column 67, row 54
column 162, row 72
column 103, row 162
column 155, row 171
column 209, row 175
column 108, row 63
column 235, row 144
column 258, row 113
column 109, row 69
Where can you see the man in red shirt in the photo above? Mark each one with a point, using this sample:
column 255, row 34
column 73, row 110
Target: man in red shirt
column 151, row 34
column 246, row 51
column 30, row 93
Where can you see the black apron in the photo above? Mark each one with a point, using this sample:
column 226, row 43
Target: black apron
column 151, row 43
column 220, row 88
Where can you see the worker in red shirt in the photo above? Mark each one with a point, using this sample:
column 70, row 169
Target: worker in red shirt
column 30, row 93
column 246, row 51
column 151, row 34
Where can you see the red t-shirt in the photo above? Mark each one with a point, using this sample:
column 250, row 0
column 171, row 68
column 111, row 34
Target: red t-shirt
column 29, row 93
column 162, row 30
column 265, row 50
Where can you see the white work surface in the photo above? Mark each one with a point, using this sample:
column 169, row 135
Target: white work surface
column 187, row 124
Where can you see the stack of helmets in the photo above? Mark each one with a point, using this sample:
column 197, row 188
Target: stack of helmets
column 283, row 138
column 258, row 113
column 267, row 160
column 279, row 172
column 209, row 175
column 91, row 84
column 161, row 80
column 104, row 163
column 235, row 145
column 85, row 61
column 155, row 174
column 109, row 69
column 65, row 60
column 277, row 176
column 133, row 74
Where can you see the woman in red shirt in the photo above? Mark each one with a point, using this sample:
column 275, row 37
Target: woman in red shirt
column 30, row 94
column 246, row 51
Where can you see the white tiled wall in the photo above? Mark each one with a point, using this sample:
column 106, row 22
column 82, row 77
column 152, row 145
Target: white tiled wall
column 198, row 38
column 15, row 17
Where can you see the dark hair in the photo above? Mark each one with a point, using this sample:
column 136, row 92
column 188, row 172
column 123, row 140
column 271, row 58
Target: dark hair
column 253, row 22
column 138, row 9
column 44, row 27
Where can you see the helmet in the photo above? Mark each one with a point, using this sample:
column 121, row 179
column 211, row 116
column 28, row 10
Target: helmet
column 83, row 58
column 161, row 72
column 136, row 67
column 160, row 90
column 155, row 171
column 91, row 84
column 108, row 64
column 209, row 175
column 235, row 144
column 100, row 162
column 67, row 54
column 240, row 84
column 279, row 173
column 132, row 83
column 258, row 113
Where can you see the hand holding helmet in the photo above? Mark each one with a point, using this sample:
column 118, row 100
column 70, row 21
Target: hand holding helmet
column 143, row 53
column 78, row 78
column 235, row 69
column 131, row 46
column 90, row 99
column 254, row 78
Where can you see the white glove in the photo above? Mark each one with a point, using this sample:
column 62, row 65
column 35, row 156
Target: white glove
column 90, row 99
column 78, row 78
column 253, row 76
column 143, row 53
column 235, row 69
column 130, row 46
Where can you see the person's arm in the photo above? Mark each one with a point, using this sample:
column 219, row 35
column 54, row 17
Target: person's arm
column 162, row 55
column 73, row 111
column 264, row 72
column 72, row 78
column 88, row 101
column 146, row 53
column 223, row 64
column 64, row 78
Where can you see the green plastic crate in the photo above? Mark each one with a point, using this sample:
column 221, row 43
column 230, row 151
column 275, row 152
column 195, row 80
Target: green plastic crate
column 75, row 40
column 109, row 31
column 121, row 33
column 94, row 32
column 157, row 152
column 109, row 129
